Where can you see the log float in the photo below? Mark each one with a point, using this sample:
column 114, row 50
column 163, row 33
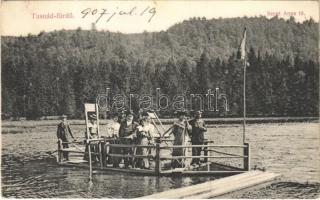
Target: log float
column 217, row 187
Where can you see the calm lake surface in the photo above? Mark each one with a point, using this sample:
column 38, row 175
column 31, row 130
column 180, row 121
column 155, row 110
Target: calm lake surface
column 28, row 171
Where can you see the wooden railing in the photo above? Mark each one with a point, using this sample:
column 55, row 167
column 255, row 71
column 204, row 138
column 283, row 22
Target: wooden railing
column 157, row 157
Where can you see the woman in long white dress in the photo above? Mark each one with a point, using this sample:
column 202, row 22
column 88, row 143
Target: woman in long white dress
column 180, row 131
column 145, row 136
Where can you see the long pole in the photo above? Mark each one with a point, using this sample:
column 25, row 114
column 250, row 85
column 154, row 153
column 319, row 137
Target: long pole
column 90, row 160
column 244, row 100
column 184, row 142
column 99, row 144
column 88, row 144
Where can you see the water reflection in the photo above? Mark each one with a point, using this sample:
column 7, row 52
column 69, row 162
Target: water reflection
column 44, row 178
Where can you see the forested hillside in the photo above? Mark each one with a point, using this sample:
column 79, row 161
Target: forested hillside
column 56, row 72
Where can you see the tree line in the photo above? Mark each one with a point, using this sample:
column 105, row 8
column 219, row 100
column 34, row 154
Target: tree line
column 55, row 73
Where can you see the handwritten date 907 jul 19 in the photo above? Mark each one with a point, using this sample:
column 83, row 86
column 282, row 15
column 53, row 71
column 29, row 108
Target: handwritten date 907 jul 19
column 107, row 14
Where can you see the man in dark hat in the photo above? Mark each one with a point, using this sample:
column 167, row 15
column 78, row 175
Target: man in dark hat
column 64, row 134
column 121, row 116
column 197, row 135
column 127, row 133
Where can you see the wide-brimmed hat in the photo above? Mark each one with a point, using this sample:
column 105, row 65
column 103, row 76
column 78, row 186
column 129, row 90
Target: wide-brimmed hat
column 130, row 115
column 145, row 117
column 199, row 112
column 63, row 116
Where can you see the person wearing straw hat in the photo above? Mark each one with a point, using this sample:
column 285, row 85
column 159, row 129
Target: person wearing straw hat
column 93, row 127
column 64, row 134
column 113, row 133
column 113, row 126
column 197, row 135
column 145, row 136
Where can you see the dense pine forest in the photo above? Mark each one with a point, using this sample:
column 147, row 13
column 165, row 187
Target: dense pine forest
column 56, row 72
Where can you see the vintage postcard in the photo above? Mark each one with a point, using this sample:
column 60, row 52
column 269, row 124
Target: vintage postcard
column 160, row 99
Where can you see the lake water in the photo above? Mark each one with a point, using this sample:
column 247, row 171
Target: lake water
column 291, row 149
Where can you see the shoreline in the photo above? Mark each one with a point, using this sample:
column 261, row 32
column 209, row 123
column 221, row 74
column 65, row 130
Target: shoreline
column 209, row 121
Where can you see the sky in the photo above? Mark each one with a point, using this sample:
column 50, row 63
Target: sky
column 31, row 17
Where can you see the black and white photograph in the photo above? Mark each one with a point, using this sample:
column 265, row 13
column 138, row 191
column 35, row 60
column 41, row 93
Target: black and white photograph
column 160, row 99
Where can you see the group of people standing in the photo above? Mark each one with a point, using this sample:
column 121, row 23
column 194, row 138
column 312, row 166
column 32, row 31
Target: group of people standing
column 183, row 131
column 125, row 130
column 129, row 130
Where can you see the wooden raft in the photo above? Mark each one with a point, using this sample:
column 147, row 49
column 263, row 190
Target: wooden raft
column 217, row 187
